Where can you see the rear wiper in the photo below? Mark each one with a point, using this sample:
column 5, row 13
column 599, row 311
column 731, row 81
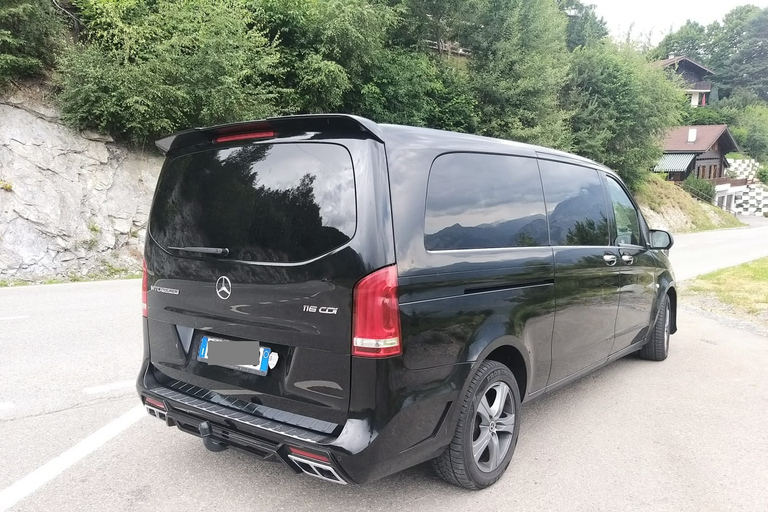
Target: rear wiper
column 219, row 251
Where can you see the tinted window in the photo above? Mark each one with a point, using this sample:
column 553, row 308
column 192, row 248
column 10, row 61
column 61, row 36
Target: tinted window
column 479, row 201
column 264, row 202
column 627, row 224
column 575, row 203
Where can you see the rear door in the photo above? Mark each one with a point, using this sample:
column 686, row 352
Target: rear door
column 586, row 271
column 263, row 241
column 637, row 267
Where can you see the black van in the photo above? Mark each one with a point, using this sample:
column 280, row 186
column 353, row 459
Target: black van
column 353, row 299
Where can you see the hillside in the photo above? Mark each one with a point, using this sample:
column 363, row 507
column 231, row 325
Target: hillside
column 667, row 206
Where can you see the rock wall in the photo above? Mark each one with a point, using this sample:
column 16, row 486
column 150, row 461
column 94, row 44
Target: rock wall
column 77, row 203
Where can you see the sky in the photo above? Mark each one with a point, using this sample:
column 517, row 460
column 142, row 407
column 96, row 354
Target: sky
column 657, row 16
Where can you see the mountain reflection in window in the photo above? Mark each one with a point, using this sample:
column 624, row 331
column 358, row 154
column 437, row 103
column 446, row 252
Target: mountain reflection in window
column 479, row 201
column 264, row 202
column 577, row 211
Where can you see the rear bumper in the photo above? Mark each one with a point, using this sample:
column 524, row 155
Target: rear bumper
column 357, row 454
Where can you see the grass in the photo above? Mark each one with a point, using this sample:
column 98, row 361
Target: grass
column 6, row 185
column 668, row 200
column 744, row 287
column 736, row 156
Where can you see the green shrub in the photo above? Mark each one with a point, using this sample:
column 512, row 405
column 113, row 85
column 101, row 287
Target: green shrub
column 700, row 189
column 762, row 175
column 153, row 68
column 30, row 34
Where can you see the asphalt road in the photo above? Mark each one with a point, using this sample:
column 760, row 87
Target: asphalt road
column 690, row 433
column 699, row 253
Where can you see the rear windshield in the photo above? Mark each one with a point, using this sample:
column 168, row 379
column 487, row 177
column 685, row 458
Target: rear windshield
column 264, row 202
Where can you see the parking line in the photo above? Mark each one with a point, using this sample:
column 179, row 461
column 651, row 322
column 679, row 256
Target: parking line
column 109, row 387
column 20, row 489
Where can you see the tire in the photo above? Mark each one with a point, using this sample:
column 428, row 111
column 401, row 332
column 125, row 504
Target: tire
column 657, row 348
column 479, row 423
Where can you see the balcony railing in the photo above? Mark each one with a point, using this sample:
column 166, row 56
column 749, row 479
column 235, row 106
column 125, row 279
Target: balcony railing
column 734, row 182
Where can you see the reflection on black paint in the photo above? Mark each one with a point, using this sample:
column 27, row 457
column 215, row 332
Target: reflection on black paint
column 264, row 202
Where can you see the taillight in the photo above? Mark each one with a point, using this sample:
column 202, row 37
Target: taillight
column 245, row 136
column 308, row 455
column 144, row 287
column 376, row 324
column 157, row 404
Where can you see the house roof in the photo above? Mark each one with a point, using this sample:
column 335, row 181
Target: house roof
column 676, row 140
column 664, row 63
column 675, row 162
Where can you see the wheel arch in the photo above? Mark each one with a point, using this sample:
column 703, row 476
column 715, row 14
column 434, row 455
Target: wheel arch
column 512, row 353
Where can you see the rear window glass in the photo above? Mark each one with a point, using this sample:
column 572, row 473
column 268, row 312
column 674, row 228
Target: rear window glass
column 263, row 202
column 480, row 201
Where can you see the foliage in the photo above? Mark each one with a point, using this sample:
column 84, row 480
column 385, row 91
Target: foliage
column 150, row 70
column 690, row 40
column 519, row 66
column 762, row 175
column 751, row 132
column 725, row 39
column 708, row 115
column 6, row 186
column 584, row 26
column 700, row 189
column 621, row 108
column 30, row 34
column 747, row 67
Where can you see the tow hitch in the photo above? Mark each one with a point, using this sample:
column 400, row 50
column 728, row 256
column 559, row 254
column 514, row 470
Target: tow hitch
column 205, row 432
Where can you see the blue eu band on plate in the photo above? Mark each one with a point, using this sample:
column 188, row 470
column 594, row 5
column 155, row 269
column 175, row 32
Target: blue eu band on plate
column 233, row 354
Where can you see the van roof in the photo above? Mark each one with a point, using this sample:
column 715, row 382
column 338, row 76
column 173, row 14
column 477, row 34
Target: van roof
column 390, row 134
column 465, row 141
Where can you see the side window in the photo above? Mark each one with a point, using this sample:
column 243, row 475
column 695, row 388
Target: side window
column 627, row 223
column 575, row 204
column 480, row 201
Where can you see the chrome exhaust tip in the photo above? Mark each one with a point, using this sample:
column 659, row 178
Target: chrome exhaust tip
column 157, row 413
column 317, row 469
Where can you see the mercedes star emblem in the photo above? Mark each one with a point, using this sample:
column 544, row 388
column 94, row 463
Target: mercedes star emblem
column 223, row 287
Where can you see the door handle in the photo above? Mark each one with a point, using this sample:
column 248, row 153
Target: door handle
column 609, row 259
column 628, row 259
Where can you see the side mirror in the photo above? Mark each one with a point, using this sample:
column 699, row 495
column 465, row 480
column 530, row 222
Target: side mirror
column 661, row 240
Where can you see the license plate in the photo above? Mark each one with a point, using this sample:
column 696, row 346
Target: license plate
column 221, row 352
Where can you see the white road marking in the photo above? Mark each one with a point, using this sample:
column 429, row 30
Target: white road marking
column 5, row 406
column 109, row 387
column 19, row 490
column 21, row 317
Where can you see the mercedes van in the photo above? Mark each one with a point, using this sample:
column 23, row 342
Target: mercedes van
column 353, row 298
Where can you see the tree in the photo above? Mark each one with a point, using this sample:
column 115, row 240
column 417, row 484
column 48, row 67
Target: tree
column 747, row 68
column 751, row 131
column 690, row 41
column 153, row 69
column 519, row 66
column 584, row 26
column 30, row 34
column 725, row 39
column 622, row 106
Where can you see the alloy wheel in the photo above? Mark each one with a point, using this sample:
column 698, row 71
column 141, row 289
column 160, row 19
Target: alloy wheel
column 666, row 329
column 493, row 427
